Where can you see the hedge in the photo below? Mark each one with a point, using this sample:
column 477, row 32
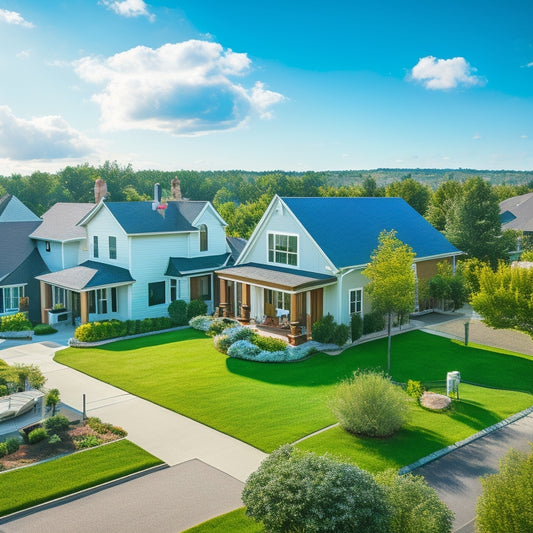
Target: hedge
column 16, row 322
column 110, row 329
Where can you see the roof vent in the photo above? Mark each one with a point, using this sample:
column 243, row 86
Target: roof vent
column 157, row 196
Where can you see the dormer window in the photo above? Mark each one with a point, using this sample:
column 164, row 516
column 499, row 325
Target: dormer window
column 283, row 249
column 203, row 238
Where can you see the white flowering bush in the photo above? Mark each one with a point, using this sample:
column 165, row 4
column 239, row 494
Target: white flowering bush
column 301, row 491
column 244, row 350
column 202, row 323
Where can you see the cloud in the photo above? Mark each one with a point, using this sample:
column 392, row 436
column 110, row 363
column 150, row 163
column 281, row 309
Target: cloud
column 49, row 137
column 12, row 17
column 129, row 8
column 437, row 74
column 23, row 54
column 183, row 89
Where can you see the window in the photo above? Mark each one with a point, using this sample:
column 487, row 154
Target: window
column 156, row 293
column 95, row 246
column 112, row 247
column 101, row 301
column 173, row 289
column 356, row 301
column 283, row 249
column 59, row 297
column 279, row 299
column 10, row 298
column 114, row 301
column 203, row 238
column 47, row 246
column 201, row 288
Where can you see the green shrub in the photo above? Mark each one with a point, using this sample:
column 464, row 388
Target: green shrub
column 222, row 343
column 16, row 322
column 54, row 439
column 90, row 441
column 3, row 390
column 340, row 334
column 52, row 399
column 110, row 329
column 415, row 389
column 370, row 404
column 301, row 491
column 37, row 435
column 269, row 344
column 196, row 308
column 43, row 329
column 117, row 430
column 3, row 449
column 177, row 311
column 356, row 326
column 373, row 322
column 218, row 325
column 56, row 424
column 416, row 507
column 103, row 427
column 13, row 444
column 505, row 501
column 323, row 329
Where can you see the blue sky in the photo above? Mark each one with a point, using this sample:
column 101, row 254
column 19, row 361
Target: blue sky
column 288, row 85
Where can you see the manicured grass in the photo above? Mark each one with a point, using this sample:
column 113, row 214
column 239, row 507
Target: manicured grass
column 234, row 521
column 25, row 487
column 268, row 405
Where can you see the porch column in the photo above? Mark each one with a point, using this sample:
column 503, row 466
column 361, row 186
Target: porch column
column 84, row 307
column 223, row 304
column 46, row 300
column 295, row 308
column 245, row 306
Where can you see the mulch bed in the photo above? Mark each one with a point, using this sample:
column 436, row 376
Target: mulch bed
column 32, row 453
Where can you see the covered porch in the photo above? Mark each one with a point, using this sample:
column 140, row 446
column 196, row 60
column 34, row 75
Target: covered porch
column 90, row 291
column 277, row 298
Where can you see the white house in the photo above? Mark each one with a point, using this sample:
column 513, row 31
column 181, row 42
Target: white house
column 305, row 257
column 133, row 258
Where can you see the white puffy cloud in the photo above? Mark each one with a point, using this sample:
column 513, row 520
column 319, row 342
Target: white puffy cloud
column 437, row 74
column 182, row 88
column 48, row 137
column 12, row 17
column 129, row 8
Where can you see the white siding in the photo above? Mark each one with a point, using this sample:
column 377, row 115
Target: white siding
column 70, row 254
column 104, row 225
column 54, row 258
column 216, row 236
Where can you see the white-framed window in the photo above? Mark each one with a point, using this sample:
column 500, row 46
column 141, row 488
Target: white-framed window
column 10, row 298
column 156, row 293
column 95, row 246
column 112, row 247
column 59, row 297
column 203, row 238
column 356, row 301
column 99, row 301
column 283, row 249
column 279, row 299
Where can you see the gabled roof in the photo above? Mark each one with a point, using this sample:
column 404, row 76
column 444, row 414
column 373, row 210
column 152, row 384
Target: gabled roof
column 30, row 267
column 347, row 229
column 15, row 245
column 13, row 210
column 236, row 246
column 140, row 218
column 182, row 266
column 517, row 212
column 60, row 222
column 89, row 275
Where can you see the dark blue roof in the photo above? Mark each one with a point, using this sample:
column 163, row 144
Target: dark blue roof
column 139, row 217
column 15, row 245
column 347, row 229
column 180, row 266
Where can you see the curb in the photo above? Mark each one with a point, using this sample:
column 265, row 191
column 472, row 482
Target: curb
column 445, row 451
column 79, row 494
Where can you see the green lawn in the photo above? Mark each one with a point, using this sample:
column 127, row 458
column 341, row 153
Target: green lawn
column 25, row 487
column 270, row 404
column 234, row 521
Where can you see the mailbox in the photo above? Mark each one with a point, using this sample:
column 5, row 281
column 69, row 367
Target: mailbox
column 452, row 383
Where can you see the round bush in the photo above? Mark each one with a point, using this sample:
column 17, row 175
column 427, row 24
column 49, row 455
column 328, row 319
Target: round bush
column 37, row 435
column 369, row 404
column 3, row 449
column 301, row 491
column 43, row 329
column 13, row 444
column 56, row 424
column 196, row 308
column 177, row 311
column 268, row 344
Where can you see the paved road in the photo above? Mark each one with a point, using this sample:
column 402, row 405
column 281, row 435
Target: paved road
column 168, row 500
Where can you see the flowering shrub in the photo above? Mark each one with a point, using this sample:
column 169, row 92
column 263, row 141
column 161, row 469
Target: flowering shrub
column 201, row 323
column 244, row 349
column 16, row 322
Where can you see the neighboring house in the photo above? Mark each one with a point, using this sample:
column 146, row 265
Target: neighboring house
column 517, row 213
column 134, row 258
column 305, row 257
column 20, row 261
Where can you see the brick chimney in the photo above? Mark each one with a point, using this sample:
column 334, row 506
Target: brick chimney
column 100, row 190
column 175, row 189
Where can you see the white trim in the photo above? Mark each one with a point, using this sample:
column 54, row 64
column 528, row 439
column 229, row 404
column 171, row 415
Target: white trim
column 208, row 205
column 355, row 289
column 274, row 233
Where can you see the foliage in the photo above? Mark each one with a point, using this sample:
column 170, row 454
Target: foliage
column 177, row 310
column 527, row 256
column 16, row 322
column 372, row 322
column 370, row 404
column 43, row 329
column 356, row 326
column 37, row 435
column 327, row 331
column 505, row 297
column 3, row 449
column 89, row 441
column 218, row 325
column 392, row 280
column 52, row 399
column 505, row 502
column 416, row 507
column 56, row 424
column 415, row 389
column 111, row 329
column 103, row 427
column 441, row 202
column 196, row 308
column 30, row 373
column 12, row 444
column 3, row 390
column 473, row 222
column 299, row 491
column 54, row 439
column 446, row 285
column 412, row 191
column 268, row 344
column 469, row 269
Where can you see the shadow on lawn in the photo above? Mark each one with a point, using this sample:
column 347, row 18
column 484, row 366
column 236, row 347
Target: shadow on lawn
column 471, row 414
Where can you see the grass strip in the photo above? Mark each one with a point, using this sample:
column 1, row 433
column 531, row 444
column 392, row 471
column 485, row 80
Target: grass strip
column 234, row 521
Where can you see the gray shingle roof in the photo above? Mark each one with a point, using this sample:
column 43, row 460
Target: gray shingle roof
column 181, row 266
column 59, row 222
column 517, row 212
column 139, row 217
column 15, row 245
column 88, row 275
column 236, row 246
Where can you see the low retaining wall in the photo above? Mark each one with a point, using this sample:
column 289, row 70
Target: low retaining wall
column 26, row 334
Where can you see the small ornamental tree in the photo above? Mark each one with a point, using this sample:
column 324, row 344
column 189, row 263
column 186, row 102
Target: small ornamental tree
column 392, row 280
column 301, row 491
column 52, row 399
column 505, row 503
